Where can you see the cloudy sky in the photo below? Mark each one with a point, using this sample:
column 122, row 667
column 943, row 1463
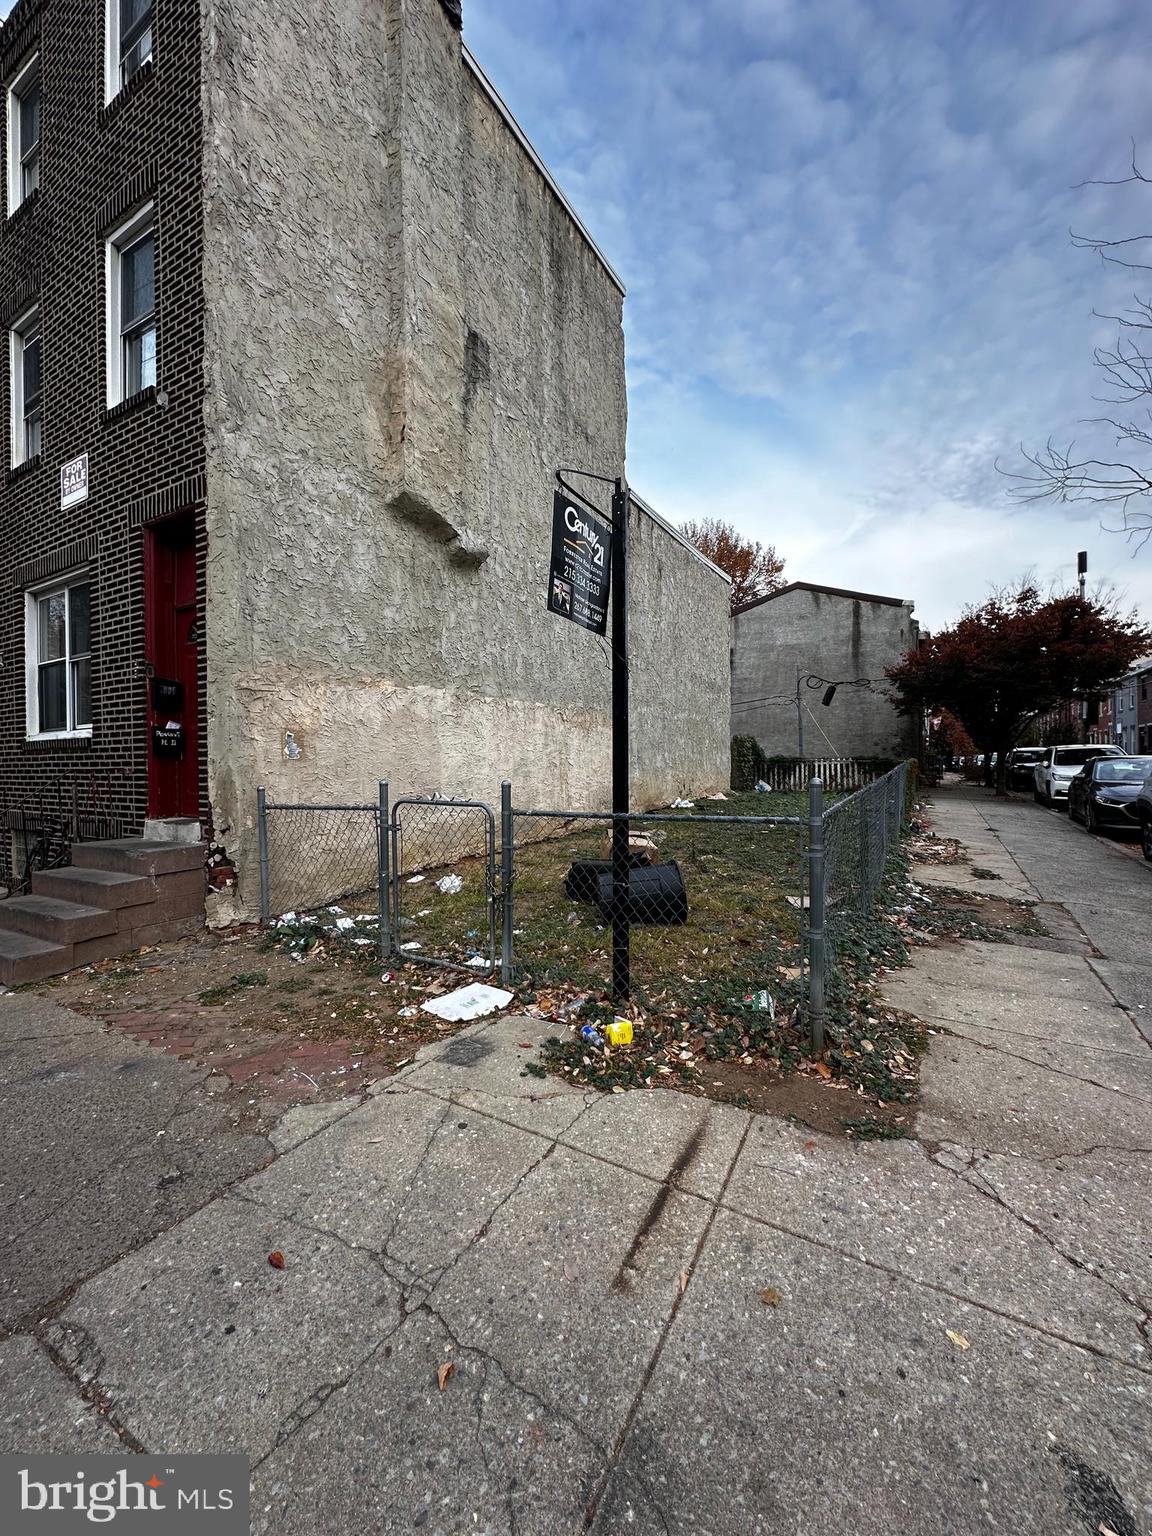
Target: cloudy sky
column 844, row 230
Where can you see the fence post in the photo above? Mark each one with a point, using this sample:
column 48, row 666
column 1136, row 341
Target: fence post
column 383, row 874
column 817, row 955
column 262, row 846
column 507, row 856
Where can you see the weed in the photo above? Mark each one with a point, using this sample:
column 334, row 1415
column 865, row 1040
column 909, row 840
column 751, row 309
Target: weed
column 216, row 995
column 869, row 1129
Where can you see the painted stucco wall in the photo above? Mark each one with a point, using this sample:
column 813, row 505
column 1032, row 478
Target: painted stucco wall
column 398, row 356
column 830, row 636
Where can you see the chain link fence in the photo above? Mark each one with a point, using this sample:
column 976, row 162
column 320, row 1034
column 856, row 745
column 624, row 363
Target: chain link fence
column 679, row 908
column 713, row 904
column 851, row 845
column 443, row 872
column 317, row 855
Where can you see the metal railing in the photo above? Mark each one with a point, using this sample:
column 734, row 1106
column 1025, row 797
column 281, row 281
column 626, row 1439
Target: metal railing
column 719, row 907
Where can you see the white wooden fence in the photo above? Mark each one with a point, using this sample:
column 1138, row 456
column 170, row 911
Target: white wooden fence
column 837, row 773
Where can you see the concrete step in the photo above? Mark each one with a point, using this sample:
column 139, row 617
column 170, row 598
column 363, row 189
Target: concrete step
column 94, row 887
column 56, row 921
column 174, row 829
column 139, row 856
column 23, row 958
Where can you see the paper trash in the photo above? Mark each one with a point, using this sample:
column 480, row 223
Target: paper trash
column 682, row 805
column 471, row 1002
column 451, row 885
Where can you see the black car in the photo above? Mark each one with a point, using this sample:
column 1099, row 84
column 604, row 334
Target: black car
column 1021, row 761
column 1142, row 810
column 1104, row 793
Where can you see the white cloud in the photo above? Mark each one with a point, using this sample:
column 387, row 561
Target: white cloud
column 844, row 227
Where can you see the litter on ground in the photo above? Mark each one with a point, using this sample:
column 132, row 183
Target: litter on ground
column 472, row 1002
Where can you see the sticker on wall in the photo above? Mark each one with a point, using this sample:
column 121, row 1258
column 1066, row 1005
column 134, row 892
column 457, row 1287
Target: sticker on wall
column 293, row 746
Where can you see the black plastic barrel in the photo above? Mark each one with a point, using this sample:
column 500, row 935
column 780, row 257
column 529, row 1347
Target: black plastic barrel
column 656, row 894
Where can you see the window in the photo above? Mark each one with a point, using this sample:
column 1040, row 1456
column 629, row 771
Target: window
column 59, row 657
column 24, row 354
column 24, row 134
column 129, row 42
column 131, row 275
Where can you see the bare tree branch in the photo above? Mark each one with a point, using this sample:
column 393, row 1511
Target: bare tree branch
column 1057, row 474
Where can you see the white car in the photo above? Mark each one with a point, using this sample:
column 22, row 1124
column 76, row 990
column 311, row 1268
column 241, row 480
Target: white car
column 1060, row 765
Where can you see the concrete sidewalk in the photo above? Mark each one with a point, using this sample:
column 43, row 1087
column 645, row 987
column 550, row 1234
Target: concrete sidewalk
column 664, row 1315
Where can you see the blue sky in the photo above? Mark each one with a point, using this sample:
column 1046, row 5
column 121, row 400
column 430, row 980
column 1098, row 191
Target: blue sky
column 843, row 225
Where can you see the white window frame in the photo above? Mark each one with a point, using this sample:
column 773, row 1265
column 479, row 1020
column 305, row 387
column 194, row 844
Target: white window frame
column 19, row 330
column 114, row 81
column 32, row 596
column 143, row 220
column 28, row 71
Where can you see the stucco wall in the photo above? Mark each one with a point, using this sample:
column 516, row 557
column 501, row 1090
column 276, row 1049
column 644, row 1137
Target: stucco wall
column 399, row 355
column 830, row 636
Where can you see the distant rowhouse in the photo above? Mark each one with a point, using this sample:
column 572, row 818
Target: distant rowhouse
column 1130, row 709
column 791, row 647
column 299, row 329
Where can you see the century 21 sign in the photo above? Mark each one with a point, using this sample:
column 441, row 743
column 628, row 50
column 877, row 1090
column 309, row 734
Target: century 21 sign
column 581, row 559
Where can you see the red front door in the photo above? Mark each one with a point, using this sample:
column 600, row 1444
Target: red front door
column 173, row 646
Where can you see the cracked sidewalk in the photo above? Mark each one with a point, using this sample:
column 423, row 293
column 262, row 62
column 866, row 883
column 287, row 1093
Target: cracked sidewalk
column 466, row 1213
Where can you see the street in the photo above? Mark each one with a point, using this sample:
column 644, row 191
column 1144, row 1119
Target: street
column 507, row 1305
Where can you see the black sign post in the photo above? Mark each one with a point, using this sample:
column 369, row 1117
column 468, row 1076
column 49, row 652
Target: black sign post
column 621, row 737
column 589, row 567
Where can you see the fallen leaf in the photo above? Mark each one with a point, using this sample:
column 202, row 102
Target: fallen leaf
column 823, row 1069
column 770, row 1296
column 276, row 1259
column 442, row 1375
column 958, row 1339
column 1105, row 1530
column 683, row 1281
column 809, row 1146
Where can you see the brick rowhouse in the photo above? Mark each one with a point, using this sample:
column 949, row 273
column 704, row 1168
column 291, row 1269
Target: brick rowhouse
column 101, row 161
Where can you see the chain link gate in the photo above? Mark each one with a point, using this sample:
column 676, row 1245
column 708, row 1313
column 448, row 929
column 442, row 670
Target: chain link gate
column 444, row 886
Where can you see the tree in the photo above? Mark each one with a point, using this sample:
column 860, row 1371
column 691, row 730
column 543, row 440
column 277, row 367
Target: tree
column 948, row 737
column 1061, row 474
column 1015, row 656
column 755, row 569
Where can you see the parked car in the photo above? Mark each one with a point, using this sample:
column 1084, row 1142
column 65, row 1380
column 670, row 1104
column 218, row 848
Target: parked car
column 1103, row 794
column 1021, row 762
column 1060, row 765
column 1142, row 811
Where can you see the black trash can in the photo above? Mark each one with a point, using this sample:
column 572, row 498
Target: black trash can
column 656, row 894
column 582, row 883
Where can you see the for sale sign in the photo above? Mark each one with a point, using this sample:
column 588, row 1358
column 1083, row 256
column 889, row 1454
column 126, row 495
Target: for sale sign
column 581, row 557
column 74, row 482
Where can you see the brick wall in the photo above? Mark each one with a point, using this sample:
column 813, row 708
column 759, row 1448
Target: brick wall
column 146, row 459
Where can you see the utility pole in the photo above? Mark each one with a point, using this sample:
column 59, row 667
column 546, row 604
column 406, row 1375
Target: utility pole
column 799, row 719
column 1082, row 574
column 621, row 791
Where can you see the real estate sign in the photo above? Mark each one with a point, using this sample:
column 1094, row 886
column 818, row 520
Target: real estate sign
column 74, row 481
column 581, row 559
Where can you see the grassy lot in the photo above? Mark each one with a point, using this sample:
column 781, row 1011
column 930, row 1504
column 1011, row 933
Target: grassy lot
column 717, row 1001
